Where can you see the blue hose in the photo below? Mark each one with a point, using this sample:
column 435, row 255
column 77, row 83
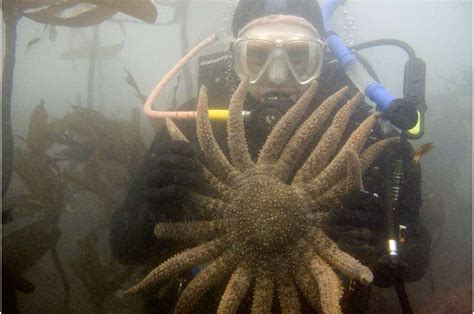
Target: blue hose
column 358, row 74
column 328, row 8
column 340, row 50
column 379, row 95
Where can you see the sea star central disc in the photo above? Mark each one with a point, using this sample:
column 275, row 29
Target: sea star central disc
column 265, row 216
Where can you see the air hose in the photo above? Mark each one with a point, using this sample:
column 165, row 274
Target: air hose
column 386, row 42
column 406, row 114
column 395, row 190
column 402, row 113
column 414, row 81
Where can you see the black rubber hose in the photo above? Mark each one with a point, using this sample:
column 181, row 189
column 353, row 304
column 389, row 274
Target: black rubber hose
column 403, row 298
column 368, row 66
column 386, row 42
column 397, row 181
column 379, row 42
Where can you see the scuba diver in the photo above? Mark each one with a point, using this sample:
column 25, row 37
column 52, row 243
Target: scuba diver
column 280, row 48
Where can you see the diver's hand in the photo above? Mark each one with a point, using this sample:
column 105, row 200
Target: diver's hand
column 413, row 260
column 358, row 228
column 172, row 168
column 168, row 168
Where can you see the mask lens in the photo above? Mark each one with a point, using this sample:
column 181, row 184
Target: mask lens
column 305, row 58
column 250, row 58
column 255, row 57
column 257, row 54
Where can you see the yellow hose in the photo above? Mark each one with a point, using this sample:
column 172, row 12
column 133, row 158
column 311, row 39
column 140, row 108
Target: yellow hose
column 219, row 114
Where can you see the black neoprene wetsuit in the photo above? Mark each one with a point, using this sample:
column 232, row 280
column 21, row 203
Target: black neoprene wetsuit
column 132, row 239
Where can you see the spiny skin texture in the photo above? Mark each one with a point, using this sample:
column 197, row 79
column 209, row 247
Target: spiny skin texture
column 266, row 226
column 261, row 231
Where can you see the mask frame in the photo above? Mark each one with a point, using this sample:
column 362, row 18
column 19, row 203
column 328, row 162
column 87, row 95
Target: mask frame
column 279, row 52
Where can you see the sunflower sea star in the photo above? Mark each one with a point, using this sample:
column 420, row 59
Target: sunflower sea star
column 262, row 225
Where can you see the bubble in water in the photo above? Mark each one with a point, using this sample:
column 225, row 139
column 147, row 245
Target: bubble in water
column 349, row 26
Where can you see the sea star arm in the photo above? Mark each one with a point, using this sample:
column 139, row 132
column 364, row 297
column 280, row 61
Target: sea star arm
column 354, row 173
column 189, row 231
column 373, row 151
column 235, row 291
column 215, row 158
column 214, row 184
column 325, row 196
column 239, row 153
column 306, row 133
column 358, row 138
column 324, row 151
column 331, row 198
column 212, row 180
column 210, row 276
column 280, row 134
column 330, row 288
column 178, row 264
column 204, row 206
column 357, row 166
column 308, row 285
column 174, row 131
column 287, row 294
column 334, row 171
column 263, row 293
column 348, row 265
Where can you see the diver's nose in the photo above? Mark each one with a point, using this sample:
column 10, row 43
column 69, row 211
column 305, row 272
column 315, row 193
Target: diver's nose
column 278, row 71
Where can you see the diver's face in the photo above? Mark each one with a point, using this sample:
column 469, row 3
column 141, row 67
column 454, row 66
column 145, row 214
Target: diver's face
column 278, row 57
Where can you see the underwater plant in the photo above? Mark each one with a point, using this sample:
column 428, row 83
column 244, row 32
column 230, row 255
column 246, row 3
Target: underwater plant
column 102, row 277
column 39, row 172
column 42, row 198
column 50, row 13
column 259, row 224
column 92, row 142
column 57, row 156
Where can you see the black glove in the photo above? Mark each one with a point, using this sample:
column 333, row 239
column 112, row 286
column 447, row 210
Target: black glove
column 413, row 259
column 172, row 166
column 168, row 167
column 358, row 228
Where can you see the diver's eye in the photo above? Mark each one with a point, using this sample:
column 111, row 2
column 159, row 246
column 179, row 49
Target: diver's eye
column 256, row 56
column 298, row 55
column 257, row 53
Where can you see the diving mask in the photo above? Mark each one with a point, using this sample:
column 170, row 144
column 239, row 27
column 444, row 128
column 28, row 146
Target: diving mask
column 277, row 50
